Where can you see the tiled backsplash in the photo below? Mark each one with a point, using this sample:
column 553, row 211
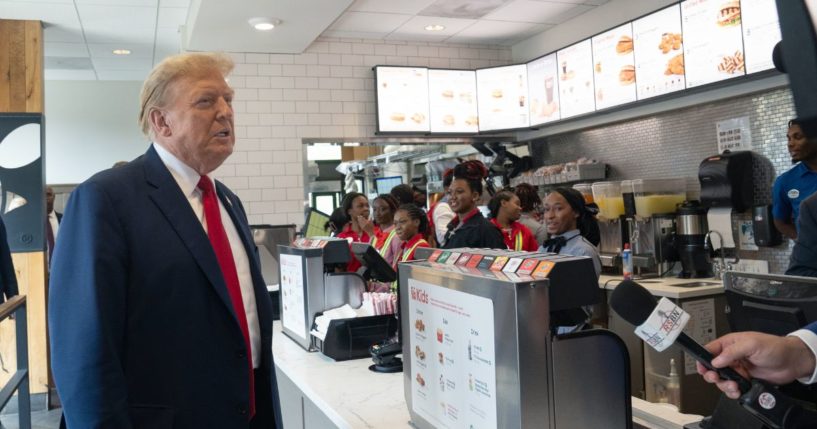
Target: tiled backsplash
column 673, row 144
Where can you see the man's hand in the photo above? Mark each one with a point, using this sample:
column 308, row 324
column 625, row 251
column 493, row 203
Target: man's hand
column 778, row 360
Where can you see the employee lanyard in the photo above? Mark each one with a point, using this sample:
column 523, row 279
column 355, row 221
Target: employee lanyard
column 386, row 244
column 517, row 241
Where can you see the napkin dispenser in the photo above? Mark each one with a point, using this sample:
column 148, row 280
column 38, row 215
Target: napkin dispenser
column 726, row 181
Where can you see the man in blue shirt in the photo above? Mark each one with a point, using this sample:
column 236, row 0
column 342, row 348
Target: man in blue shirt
column 797, row 184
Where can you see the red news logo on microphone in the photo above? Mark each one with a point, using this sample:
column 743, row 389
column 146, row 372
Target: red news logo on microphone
column 663, row 326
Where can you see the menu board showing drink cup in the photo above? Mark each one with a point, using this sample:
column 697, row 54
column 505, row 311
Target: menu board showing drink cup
column 503, row 97
column 402, row 99
column 453, row 101
column 614, row 71
column 543, row 88
column 761, row 31
column 713, row 40
column 575, row 69
column 659, row 53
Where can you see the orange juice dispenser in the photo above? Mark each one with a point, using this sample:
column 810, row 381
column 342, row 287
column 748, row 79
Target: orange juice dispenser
column 612, row 226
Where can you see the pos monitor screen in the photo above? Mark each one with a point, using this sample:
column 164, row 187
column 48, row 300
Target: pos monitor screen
column 383, row 185
column 376, row 267
column 315, row 225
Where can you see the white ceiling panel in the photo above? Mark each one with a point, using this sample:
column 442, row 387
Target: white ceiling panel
column 417, row 24
column 124, row 36
column 174, row 3
column 463, row 9
column 123, row 74
column 572, row 13
column 539, row 12
column 171, row 17
column 57, row 74
column 354, row 34
column 390, row 6
column 418, row 37
column 122, row 63
column 504, row 32
column 57, row 49
column 105, row 50
column 63, row 14
column 168, row 37
column 95, row 16
column 366, row 22
column 140, row 3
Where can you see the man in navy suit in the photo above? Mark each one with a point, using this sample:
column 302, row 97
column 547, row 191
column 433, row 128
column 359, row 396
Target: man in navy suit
column 158, row 313
column 804, row 254
column 778, row 360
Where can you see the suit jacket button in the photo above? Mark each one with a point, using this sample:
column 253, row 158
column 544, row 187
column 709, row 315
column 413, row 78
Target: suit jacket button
column 242, row 409
column 242, row 354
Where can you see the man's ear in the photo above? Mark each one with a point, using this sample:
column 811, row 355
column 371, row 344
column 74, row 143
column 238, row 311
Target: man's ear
column 159, row 123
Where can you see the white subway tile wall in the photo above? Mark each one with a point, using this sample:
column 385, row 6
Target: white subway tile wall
column 326, row 92
column 673, row 144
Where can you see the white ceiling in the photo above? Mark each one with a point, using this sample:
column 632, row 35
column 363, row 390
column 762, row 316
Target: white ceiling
column 80, row 35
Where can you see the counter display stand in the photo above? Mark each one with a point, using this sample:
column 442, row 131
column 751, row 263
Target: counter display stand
column 480, row 348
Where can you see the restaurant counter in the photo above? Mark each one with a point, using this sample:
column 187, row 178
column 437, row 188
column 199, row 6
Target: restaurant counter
column 317, row 392
column 670, row 287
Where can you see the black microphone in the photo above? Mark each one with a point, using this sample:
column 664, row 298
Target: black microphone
column 635, row 304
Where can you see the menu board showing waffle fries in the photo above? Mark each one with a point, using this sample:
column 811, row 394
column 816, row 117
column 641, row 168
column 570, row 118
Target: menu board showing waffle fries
column 713, row 41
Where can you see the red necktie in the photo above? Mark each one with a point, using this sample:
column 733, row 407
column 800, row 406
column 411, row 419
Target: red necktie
column 221, row 245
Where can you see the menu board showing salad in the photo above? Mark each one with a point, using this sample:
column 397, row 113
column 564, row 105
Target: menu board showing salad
column 453, row 100
column 614, row 71
column 503, row 97
column 402, row 99
column 575, row 67
column 659, row 53
column 713, row 40
column 543, row 87
column 761, row 31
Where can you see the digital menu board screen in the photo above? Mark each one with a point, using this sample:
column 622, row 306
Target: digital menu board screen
column 503, row 97
column 543, row 88
column 453, row 99
column 659, row 53
column 713, row 40
column 575, row 67
column 761, row 31
column 614, row 71
column 402, row 99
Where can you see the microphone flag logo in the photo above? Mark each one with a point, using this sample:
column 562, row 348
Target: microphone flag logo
column 666, row 322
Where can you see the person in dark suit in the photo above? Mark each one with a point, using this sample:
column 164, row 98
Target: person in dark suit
column 804, row 254
column 8, row 279
column 158, row 314
column 52, row 222
column 778, row 360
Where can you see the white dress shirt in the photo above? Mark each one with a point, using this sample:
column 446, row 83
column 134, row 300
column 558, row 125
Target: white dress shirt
column 188, row 180
column 810, row 338
column 55, row 225
column 442, row 216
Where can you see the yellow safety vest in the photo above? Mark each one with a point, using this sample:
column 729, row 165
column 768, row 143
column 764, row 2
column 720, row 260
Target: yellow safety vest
column 405, row 258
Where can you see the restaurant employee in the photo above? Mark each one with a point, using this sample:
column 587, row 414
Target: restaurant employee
column 469, row 228
column 797, row 184
column 505, row 212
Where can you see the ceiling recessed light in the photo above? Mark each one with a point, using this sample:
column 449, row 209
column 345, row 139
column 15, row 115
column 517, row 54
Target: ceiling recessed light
column 121, row 51
column 264, row 24
column 435, row 27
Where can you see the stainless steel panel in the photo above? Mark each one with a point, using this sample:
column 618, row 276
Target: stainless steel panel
column 343, row 288
column 691, row 225
column 522, row 345
column 267, row 238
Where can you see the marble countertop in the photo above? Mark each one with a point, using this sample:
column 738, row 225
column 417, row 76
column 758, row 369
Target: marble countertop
column 353, row 397
column 669, row 286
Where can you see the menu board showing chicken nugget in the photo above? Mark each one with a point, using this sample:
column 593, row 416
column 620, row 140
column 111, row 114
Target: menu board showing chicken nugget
column 503, row 97
column 614, row 71
column 761, row 31
column 713, row 41
column 402, row 99
column 543, row 87
column 659, row 53
column 453, row 98
column 576, row 79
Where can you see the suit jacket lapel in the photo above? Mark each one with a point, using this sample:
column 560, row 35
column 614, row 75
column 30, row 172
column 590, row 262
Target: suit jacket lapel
column 174, row 205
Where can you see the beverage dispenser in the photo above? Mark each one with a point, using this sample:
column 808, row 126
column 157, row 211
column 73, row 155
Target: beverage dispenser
column 652, row 224
column 612, row 227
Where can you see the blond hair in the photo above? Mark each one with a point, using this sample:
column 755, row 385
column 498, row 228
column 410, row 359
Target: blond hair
column 155, row 88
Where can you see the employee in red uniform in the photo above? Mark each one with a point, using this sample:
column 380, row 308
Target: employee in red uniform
column 411, row 225
column 505, row 212
column 356, row 207
column 384, row 236
column 469, row 228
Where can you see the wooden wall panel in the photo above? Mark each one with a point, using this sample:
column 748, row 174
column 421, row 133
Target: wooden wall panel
column 21, row 66
column 21, row 91
column 30, row 269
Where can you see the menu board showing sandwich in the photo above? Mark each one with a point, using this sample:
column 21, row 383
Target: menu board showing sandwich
column 503, row 97
column 543, row 88
column 761, row 31
column 453, row 101
column 575, row 67
column 713, row 40
column 614, row 67
column 402, row 99
column 659, row 53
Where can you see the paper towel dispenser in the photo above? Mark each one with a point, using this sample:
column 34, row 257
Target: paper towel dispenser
column 726, row 181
